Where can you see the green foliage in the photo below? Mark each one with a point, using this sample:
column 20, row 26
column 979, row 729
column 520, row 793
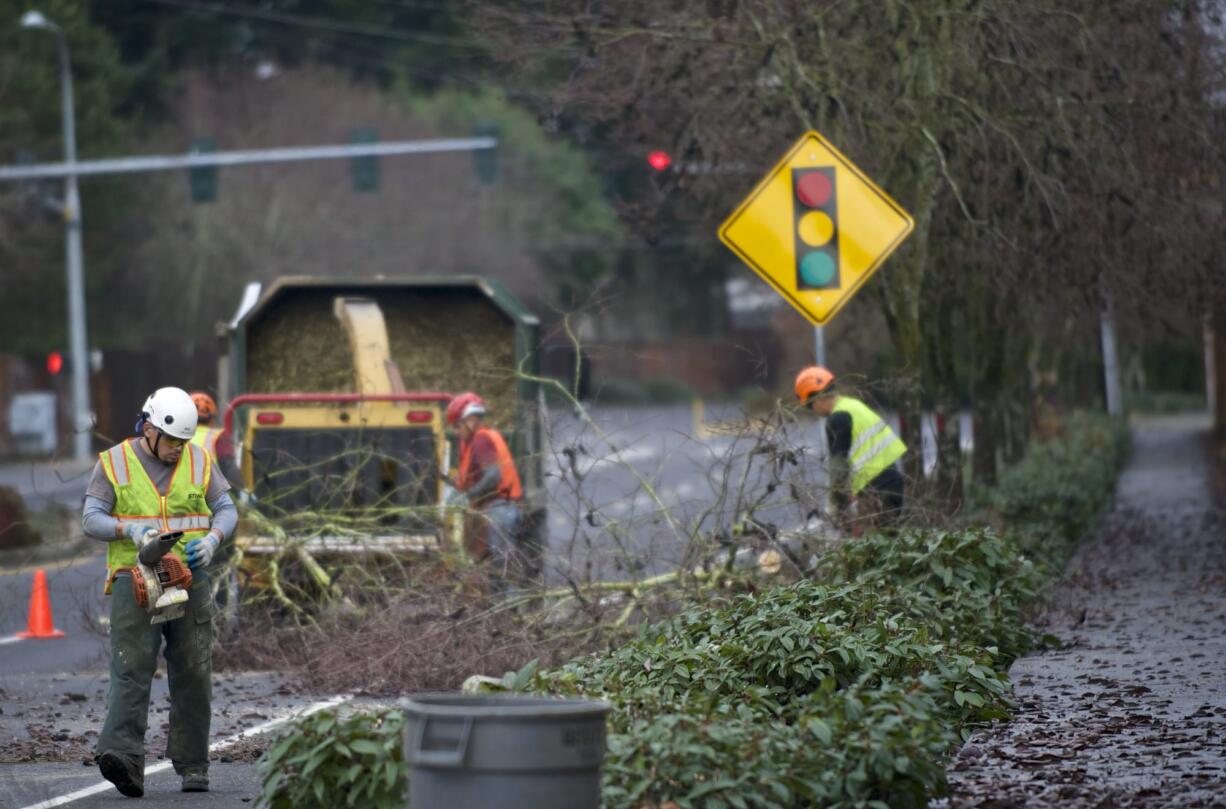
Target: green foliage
column 975, row 582
column 832, row 692
column 325, row 761
column 1056, row 493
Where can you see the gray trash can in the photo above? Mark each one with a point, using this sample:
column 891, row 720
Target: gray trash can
column 503, row 751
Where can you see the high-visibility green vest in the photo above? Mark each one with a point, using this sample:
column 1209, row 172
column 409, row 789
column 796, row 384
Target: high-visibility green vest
column 874, row 446
column 206, row 437
column 137, row 500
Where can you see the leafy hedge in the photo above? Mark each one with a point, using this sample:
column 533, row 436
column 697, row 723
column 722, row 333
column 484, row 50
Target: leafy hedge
column 1056, row 493
column 834, row 692
column 848, row 689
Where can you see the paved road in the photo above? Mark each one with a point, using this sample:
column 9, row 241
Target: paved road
column 44, row 483
column 1132, row 712
column 78, row 607
column 230, row 786
column 651, row 479
column 50, row 723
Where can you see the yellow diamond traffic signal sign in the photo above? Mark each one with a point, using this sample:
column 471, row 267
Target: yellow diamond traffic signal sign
column 816, row 228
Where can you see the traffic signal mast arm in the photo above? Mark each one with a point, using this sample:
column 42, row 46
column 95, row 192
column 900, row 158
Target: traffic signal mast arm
column 127, row 165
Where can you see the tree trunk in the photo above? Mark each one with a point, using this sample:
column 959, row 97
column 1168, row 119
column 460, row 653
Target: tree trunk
column 1218, row 327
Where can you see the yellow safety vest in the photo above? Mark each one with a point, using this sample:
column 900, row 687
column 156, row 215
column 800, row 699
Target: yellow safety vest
column 206, row 437
column 874, row 446
column 137, row 500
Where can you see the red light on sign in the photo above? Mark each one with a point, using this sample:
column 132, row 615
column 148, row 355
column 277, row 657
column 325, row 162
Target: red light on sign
column 271, row 417
column 55, row 363
column 659, row 160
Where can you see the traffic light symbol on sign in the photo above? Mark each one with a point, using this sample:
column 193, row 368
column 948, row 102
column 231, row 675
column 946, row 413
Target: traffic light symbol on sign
column 815, row 213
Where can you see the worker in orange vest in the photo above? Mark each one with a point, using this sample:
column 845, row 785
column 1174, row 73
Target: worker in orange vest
column 486, row 483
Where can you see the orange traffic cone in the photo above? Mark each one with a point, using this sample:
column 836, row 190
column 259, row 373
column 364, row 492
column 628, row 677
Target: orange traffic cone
column 39, row 623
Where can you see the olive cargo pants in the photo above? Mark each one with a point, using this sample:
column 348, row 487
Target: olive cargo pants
column 189, row 667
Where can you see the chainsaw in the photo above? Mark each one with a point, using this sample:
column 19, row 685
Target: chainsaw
column 160, row 580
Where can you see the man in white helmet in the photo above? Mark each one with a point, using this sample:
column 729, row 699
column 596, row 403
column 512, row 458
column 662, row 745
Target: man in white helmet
column 158, row 482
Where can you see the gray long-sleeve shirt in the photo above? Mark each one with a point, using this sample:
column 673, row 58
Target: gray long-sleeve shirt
column 96, row 518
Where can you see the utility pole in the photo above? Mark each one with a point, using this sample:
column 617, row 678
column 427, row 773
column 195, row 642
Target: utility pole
column 1111, row 363
column 83, row 417
column 1210, row 366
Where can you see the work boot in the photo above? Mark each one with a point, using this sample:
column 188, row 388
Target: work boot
column 196, row 781
column 125, row 772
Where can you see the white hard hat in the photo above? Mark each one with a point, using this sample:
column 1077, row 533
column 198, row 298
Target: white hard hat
column 172, row 411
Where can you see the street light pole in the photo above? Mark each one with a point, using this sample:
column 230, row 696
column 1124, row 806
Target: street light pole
column 83, row 420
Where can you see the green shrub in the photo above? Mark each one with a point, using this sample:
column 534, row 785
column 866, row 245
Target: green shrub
column 835, row 692
column 325, row 761
column 1056, row 493
column 976, row 582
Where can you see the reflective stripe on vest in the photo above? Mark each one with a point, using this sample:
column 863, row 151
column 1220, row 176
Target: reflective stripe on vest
column 137, row 500
column 206, row 438
column 874, row 446
column 118, row 460
column 199, row 460
column 509, row 486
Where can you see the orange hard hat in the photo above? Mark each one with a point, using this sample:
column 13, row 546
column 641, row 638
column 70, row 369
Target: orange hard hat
column 811, row 381
column 464, row 405
column 206, row 408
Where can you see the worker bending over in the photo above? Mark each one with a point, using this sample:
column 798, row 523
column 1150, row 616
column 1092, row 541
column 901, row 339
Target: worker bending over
column 155, row 483
column 487, row 483
column 863, row 451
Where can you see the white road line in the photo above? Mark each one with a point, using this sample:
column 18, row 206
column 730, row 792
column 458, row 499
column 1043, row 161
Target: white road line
column 272, row 724
column 10, row 639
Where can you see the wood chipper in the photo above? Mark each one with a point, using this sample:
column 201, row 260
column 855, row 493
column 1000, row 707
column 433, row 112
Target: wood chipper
column 336, row 393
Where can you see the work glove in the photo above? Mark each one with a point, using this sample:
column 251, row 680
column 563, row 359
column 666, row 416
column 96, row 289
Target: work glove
column 200, row 551
column 140, row 534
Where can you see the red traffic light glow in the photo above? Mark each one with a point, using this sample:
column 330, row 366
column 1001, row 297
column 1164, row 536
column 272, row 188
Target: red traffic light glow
column 55, row 363
column 659, row 160
column 814, row 189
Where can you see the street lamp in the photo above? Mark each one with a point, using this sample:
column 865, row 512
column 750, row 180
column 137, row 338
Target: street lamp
column 83, row 421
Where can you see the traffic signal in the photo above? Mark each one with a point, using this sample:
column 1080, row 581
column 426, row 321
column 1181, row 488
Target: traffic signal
column 203, row 179
column 485, row 161
column 55, row 363
column 659, row 160
column 365, row 169
column 815, row 214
